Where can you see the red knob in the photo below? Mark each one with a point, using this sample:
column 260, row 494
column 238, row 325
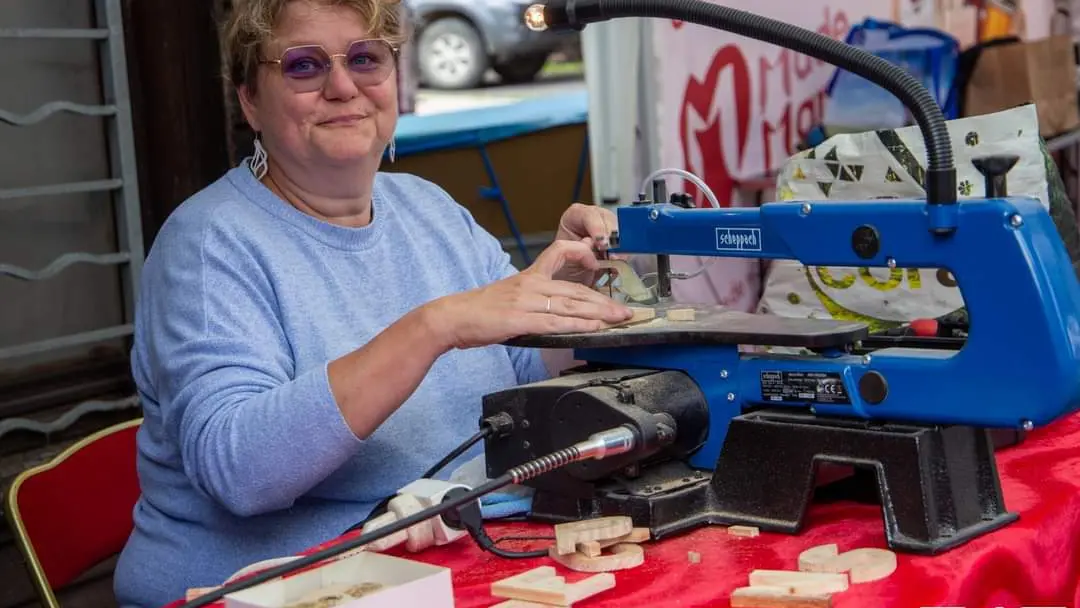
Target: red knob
column 926, row 328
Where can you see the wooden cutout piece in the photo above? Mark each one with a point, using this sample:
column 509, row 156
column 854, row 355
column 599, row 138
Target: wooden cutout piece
column 641, row 314
column 776, row 597
column 815, row 558
column 536, row 585
column 594, row 548
column 680, row 314
column 636, row 535
column 542, row 586
column 568, row 535
column 800, row 583
column 586, row 588
column 744, row 531
column 520, row 604
column 622, row 557
column 863, row 565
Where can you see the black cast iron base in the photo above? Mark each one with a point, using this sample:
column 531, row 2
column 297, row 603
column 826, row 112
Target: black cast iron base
column 938, row 486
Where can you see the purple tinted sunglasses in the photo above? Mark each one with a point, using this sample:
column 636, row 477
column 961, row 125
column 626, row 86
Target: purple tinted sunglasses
column 306, row 67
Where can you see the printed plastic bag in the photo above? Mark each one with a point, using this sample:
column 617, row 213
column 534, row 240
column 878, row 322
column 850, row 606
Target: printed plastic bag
column 891, row 164
column 929, row 55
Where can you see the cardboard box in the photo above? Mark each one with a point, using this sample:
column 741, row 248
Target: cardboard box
column 1042, row 72
column 402, row 583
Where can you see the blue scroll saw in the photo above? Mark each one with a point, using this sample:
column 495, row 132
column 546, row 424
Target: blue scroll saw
column 740, row 434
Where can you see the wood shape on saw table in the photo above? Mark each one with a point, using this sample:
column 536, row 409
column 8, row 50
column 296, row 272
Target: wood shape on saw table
column 823, row 571
column 642, row 314
column 541, row 587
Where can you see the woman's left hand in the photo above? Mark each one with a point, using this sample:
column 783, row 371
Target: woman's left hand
column 590, row 224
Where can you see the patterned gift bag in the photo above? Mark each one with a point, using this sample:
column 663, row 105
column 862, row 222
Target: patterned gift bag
column 891, row 164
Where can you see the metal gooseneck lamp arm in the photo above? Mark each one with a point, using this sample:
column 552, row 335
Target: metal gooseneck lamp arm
column 941, row 180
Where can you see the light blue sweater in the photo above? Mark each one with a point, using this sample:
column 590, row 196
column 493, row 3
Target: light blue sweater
column 243, row 454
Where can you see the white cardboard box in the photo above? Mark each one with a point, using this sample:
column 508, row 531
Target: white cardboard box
column 405, row 583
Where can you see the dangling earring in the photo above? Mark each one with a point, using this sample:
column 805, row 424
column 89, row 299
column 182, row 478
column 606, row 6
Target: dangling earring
column 393, row 148
column 258, row 160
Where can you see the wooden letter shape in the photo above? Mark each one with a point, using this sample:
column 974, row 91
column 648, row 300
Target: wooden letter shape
column 622, row 557
column 568, row 535
column 863, row 565
column 540, row 585
column 814, row 559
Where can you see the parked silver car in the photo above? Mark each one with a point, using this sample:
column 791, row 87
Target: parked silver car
column 457, row 41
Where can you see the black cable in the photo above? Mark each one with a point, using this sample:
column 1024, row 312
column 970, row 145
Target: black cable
column 499, row 423
column 940, row 183
column 484, row 541
column 483, row 433
column 472, row 519
column 452, row 501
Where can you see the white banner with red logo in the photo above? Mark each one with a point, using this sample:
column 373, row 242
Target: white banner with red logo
column 732, row 110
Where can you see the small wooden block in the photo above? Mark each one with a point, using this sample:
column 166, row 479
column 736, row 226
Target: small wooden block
column 622, row 557
column 520, row 604
column 641, row 314
column 815, row 558
column 568, row 535
column 800, row 583
column 680, row 314
column 776, row 597
column 863, row 565
column 198, row 592
column 591, row 548
column 744, row 531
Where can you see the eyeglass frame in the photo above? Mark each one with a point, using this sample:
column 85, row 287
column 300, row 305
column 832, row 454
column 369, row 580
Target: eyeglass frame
column 280, row 61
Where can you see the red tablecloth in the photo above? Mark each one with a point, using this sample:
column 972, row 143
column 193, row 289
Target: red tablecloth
column 1033, row 562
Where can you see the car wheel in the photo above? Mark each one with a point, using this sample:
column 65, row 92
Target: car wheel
column 523, row 69
column 451, row 55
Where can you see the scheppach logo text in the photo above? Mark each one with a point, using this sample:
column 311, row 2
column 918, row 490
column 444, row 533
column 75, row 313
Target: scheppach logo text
column 738, row 239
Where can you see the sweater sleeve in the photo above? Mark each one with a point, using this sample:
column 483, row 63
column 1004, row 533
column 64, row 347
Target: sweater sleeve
column 254, row 434
column 528, row 362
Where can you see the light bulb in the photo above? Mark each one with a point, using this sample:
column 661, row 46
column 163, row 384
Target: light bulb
column 534, row 18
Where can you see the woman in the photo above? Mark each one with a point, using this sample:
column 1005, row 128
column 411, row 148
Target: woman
column 311, row 334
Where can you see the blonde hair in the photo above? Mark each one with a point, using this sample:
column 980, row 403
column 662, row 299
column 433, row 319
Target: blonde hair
column 251, row 25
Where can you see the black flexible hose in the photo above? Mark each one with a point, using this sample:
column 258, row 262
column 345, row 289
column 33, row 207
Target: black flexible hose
column 523, row 472
column 941, row 172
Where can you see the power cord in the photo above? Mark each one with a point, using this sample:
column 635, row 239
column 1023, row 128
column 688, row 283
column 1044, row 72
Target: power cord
column 470, row 517
column 612, row 442
column 709, row 196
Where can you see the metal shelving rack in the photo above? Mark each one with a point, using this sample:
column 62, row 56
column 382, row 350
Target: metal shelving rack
column 122, row 184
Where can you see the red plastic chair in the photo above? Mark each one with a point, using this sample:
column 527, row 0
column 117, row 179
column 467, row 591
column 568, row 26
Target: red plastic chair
column 74, row 512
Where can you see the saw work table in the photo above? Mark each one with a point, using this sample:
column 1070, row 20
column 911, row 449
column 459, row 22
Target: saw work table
column 1035, row 562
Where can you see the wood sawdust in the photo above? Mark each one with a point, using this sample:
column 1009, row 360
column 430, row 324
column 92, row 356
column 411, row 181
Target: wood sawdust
column 335, row 595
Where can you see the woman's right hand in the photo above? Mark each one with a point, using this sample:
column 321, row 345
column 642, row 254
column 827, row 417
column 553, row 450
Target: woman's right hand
column 530, row 302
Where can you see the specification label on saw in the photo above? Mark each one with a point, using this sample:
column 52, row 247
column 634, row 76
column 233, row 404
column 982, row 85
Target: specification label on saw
column 814, row 387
